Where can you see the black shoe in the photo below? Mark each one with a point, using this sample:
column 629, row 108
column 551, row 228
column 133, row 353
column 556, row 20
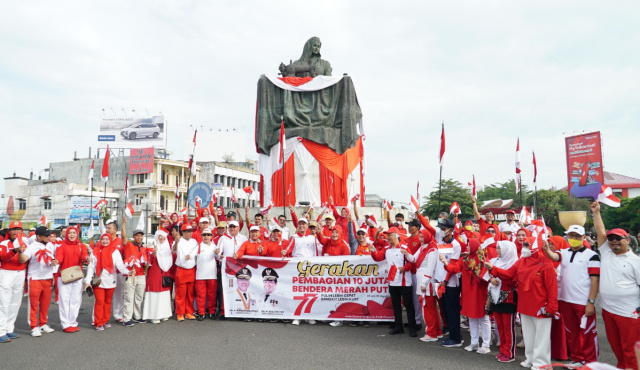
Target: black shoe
column 418, row 327
column 248, row 320
column 128, row 323
column 222, row 317
column 396, row 331
column 445, row 331
column 200, row 317
column 213, row 317
column 139, row 321
column 413, row 333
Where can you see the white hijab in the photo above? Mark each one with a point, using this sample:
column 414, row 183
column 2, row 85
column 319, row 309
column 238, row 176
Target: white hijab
column 508, row 257
column 163, row 255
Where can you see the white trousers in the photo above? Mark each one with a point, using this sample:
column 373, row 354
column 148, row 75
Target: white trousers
column 117, row 302
column 133, row 297
column 416, row 299
column 69, row 300
column 537, row 345
column 11, row 286
column 477, row 326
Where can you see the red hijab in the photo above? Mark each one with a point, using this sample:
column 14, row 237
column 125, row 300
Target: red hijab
column 474, row 261
column 104, row 255
column 560, row 243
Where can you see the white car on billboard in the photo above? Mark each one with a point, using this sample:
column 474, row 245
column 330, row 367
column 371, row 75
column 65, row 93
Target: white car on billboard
column 141, row 130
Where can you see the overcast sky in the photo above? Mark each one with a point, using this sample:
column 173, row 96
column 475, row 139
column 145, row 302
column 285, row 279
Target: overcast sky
column 492, row 71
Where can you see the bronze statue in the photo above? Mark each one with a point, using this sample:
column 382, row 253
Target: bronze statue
column 309, row 64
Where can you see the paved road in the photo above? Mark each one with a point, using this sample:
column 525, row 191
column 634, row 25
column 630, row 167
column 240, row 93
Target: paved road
column 234, row 344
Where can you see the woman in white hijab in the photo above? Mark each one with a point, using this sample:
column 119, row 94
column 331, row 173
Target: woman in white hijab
column 502, row 301
column 157, row 297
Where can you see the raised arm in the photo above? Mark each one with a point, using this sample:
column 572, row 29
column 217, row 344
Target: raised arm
column 123, row 233
column 598, row 223
column 355, row 209
column 475, row 208
column 246, row 214
column 555, row 257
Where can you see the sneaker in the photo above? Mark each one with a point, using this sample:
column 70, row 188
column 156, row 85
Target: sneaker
column 106, row 325
column 471, row 347
column 13, row 335
column 128, row 323
column 180, row 318
column 140, row 321
column 504, row 358
column 4, row 339
column 396, row 331
column 100, row 328
column 46, row 328
column 572, row 364
column 75, row 329
column 35, row 332
column 164, row 319
column 213, row 317
column 483, row 350
column 200, row 317
column 449, row 343
column 427, row 338
column 525, row 364
column 189, row 316
column 440, row 336
column 311, row 322
column 336, row 323
column 119, row 320
column 155, row 321
column 520, row 344
column 68, row 330
column 295, row 322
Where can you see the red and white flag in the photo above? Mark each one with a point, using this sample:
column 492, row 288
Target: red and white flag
column 100, row 203
column 248, row 190
column 525, row 216
column 91, row 177
column 283, row 142
column 535, row 170
column 105, row 166
column 413, row 205
column 474, row 190
column 455, row 209
column 43, row 220
column 214, row 197
column 192, row 160
column 184, row 211
column 233, row 196
column 418, row 192
column 371, row 220
column 518, row 170
column 177, row 190
column 606, row 196
column 442, row 147
column 354, row 198
column 387, row 205
column 265, row 210
column 128, row 211
column 126, row 187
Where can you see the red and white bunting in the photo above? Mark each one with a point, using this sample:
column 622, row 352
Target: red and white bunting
column 128, row 211
column 606, row 196
column 455, row 209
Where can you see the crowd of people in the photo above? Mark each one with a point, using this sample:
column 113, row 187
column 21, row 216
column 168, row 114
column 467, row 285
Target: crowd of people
column 486, row 276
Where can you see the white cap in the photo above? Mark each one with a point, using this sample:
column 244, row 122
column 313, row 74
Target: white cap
column 255, row 228
column 303, row 220
column 233, row 223
column 206, row 231
column 575, row 229
column 110, row 221
column 204, row 219
column 362, row 229
column 275, row 227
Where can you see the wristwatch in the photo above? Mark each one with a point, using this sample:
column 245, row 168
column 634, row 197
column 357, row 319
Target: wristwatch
column 592, row 301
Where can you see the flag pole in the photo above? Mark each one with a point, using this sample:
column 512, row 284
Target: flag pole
column 520, row 186
column 440, row 191
column 284, row 203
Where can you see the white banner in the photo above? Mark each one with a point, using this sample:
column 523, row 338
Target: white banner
column 351, row 288
column 132, row 132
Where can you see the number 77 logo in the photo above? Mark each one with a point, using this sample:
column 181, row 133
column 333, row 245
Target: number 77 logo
column 307, row 298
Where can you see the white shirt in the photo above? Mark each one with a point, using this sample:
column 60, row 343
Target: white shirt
column 206, row 262
column 305, row 246
column 514, row 227
column 229, row 245
column 395, row 258
column 619, row 280
column 107, row 280
column 576, row 271
column 426, row 271
column 187, row 248
column 38, row 270
column 451, row 251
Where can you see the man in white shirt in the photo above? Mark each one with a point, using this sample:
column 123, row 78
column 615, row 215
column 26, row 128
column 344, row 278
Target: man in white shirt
column 510, row 224
column 230, row 242
column 206, row 276
column 450, row 248
column 40, row 277
column 619, row 290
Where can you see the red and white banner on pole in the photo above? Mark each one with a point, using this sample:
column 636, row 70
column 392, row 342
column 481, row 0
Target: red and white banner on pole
column 442, row 147
column 518, row 169
column 351, row 288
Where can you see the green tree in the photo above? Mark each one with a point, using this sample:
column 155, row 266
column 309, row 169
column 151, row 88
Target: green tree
column 505, row 190
column 550, row 202
column 452, row 191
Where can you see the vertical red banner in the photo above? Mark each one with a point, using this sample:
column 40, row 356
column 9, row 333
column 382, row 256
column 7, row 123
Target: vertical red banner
column 585, row 173
column 141, row 161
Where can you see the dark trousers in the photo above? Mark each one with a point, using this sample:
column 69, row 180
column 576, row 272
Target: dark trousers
column 399, row 294
column 451, row 300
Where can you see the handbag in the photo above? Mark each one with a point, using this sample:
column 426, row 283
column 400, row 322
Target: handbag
column 167, row 281
column 71, row 274
column 96, row 280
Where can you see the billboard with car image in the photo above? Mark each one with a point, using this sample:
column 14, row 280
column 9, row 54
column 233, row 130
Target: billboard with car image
column 132, row 131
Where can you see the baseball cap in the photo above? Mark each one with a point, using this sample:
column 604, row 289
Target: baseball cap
column 618, row 232
column 511, row 211
column 233, row 223
column 393, row 230
column 276, row 227
column 138, row 231
column 445, row 223
column 361, row 229
column 207, row 231
column 254, row 228
column 303, row 220
column 204, row 219
column 185, row 227
column 43, row 231
column 415, row 222
column 329, row 216
column 15, row 225
column 313, row 224
column 575, row 229
column 222, row 224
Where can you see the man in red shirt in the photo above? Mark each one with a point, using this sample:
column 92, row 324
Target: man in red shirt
column 252, row 247
column 413, row 244
column 483, row 222
column 135, row 258
column 12, row 277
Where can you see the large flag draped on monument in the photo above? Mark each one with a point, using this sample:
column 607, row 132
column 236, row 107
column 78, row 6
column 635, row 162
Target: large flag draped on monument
column 321, row 288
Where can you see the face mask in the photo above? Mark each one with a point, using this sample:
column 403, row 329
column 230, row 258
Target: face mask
column 575, row 243
column 526, row 252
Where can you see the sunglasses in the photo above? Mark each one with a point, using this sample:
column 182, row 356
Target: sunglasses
column 491, row 231
column 615, row 237
column 207, row 234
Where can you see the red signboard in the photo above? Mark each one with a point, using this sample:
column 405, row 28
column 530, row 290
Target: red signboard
column 141, row 161
column 585, row 173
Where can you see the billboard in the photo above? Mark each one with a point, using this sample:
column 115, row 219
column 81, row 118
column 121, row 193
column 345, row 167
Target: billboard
column 585, row 173
column 132, row 132
column 82, row 209
column 141, row 161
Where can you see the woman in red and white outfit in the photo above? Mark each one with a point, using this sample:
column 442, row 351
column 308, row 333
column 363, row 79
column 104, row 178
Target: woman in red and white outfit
column 187, row 249
column 425, row 260
column 157, row 298
column 207, row 276
column 104, row 261
column 502, row 301
column 474, row 295
column 71, row 253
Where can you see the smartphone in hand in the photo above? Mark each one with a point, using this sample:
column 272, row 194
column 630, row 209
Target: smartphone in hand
column 89, row 291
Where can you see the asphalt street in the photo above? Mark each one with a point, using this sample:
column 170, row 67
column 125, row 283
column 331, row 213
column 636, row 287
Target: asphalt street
column 233, row 344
